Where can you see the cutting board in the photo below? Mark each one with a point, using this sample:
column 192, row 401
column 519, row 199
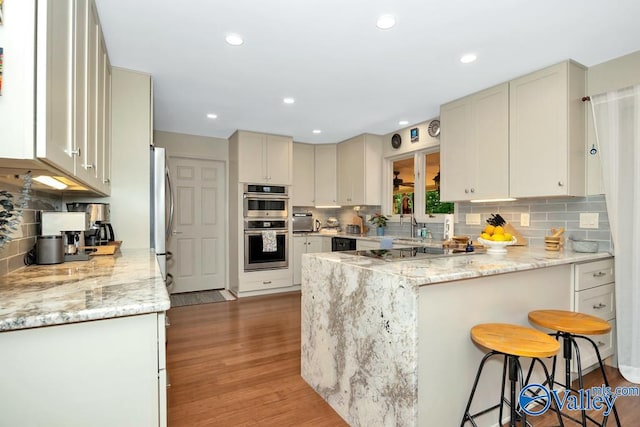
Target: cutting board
column 357, row 220
column 521, row 241
column 109, row 249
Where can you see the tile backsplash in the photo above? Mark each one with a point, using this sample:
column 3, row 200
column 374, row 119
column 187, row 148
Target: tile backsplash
column 24, row 238
column 544, row 214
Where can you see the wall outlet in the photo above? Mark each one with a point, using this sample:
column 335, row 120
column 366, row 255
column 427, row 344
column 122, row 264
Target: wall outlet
column 589, row 220
column 524, row 219
column 472, row 219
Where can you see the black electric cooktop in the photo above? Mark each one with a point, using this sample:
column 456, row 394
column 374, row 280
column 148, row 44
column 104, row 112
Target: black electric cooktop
column 408, row 254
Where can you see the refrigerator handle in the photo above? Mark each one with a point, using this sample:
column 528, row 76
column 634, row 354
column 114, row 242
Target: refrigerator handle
column 171, row 205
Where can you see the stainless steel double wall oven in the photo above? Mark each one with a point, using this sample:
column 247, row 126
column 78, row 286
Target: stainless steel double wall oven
column 265, row 216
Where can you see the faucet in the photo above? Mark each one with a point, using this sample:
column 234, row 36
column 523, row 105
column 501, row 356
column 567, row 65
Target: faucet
column 414, row 223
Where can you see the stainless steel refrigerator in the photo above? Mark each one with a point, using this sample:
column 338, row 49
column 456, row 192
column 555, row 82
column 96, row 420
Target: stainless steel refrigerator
column 162, row 209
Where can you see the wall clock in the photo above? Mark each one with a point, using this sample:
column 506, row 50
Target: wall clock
column 396, row 140
column 434, row 128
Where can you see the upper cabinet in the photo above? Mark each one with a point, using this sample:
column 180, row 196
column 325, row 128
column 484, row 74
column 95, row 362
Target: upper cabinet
column 69, row 98
column 547, row 132
column 303, row 175
column 360, row 170
column 262, row 158
column 326, row 188
column 524, row 138
column 475, row 146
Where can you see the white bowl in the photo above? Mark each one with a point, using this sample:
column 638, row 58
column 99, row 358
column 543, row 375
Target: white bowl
column 494, row 247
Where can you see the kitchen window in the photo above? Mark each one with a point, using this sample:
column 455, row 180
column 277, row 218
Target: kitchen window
column 407, row 173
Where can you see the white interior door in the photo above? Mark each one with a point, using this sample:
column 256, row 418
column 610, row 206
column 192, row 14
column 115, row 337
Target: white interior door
column 198, row 235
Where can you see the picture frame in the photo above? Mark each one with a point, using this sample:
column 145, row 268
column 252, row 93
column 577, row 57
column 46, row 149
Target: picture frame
column 415, row 136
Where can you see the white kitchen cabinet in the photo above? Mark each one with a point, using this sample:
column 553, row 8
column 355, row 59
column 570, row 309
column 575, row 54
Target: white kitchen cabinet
column 97, row 373
column 59, row 44
column 326, row 175
column 262, row 158
column 547, row 132
column 594, row 294
column 304, row 244
column 303, row 175
column 364, row 245
column 474, row 147
column 359, row 171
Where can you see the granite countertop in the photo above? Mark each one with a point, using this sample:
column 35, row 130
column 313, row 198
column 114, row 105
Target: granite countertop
column 444, row 269
column 104, row 287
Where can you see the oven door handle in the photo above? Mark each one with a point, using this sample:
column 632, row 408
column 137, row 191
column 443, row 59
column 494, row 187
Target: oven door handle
column 256, row 232
column 266, row 197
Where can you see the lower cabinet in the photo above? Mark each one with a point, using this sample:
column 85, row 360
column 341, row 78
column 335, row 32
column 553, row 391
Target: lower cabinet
column 363, row 245
column 98, row 373
column 594, row 294
column 305, row 244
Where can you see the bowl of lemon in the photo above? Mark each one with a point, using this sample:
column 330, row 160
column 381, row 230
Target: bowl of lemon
column 496, row 239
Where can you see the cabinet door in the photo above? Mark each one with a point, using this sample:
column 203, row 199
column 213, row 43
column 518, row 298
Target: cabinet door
column 490, row 143
column 538, row 133
column 299, row 247
column 455, row 143
column 314, row 244
column 278, row 159
column 303, row 175
column 363, row 245
column 90, row 153
column 106, row 148
column 252, row 158
column 54, row 129
column 325, row 175
column 81, row 10
column 351, row 170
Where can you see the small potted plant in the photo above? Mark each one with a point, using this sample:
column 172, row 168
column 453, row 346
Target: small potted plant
column 380, row 222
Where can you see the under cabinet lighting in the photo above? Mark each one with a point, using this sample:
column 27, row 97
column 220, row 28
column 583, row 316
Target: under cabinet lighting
column 492, row 200
column 50, row 182
column 328, row 207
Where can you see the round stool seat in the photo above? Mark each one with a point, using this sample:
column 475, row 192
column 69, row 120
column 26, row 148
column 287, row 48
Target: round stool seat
column 515, row 340
column 569, row 322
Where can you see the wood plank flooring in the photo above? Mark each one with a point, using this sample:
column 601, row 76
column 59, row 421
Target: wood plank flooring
column 238, row 364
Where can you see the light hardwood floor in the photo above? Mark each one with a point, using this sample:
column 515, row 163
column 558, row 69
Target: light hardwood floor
column 238, row 364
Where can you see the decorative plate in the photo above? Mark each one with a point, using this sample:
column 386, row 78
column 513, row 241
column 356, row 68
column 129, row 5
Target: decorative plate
column 396, row 140
column 434, row 128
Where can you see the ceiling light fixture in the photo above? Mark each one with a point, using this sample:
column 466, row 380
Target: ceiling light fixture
column 386, row 22
column 403, row 122
column 316, row 131
column 212, row 116
column 234, row 39
column 468, row 58
column 50, row 182
column 288, row 100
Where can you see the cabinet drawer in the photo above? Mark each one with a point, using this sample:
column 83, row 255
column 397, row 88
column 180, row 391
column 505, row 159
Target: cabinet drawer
column 605, row 343
column 258, row 285
column 593, row 274
column 598, row 301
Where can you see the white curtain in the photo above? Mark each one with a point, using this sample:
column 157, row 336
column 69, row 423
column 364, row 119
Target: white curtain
column 617, row 121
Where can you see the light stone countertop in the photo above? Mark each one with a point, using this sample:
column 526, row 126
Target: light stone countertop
column 104, row 287
column 450, row 268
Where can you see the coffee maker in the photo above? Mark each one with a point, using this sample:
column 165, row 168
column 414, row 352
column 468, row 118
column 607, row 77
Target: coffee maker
column 72, row 226
column 100, row 230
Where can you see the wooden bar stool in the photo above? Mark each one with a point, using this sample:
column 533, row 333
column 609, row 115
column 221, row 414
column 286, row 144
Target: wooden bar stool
column 571, row 326
column 512, row 342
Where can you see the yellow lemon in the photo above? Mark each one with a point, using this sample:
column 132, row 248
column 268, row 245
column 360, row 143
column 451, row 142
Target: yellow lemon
column 507, row 237
column 489, row 229
column 498, row 237
column 485, row 236
column 498, row 230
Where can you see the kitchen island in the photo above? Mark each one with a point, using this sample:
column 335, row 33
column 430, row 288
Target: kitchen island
column 83, row 343
column 387, row 343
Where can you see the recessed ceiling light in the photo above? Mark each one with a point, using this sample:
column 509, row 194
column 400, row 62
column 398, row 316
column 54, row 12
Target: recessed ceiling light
column 385, row 22
column 469, row 57
column 288, row 100
column 234, row 39
column 316, row 131
column 403, row 122
column 212, row 116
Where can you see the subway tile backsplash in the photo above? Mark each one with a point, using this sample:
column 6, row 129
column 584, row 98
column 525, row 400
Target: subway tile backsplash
column 544, row 214
column 24, row 238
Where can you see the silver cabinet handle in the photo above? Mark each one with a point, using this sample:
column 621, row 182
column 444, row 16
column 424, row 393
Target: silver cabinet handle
column 560, row 184
column 599, row 306
column 473, row 190
column 266, row 282
column 174, row 232
column 466, row 191
column 600, row 344
column 599, row 274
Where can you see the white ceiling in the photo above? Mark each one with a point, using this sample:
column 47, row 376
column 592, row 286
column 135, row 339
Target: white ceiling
column 347, row 76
